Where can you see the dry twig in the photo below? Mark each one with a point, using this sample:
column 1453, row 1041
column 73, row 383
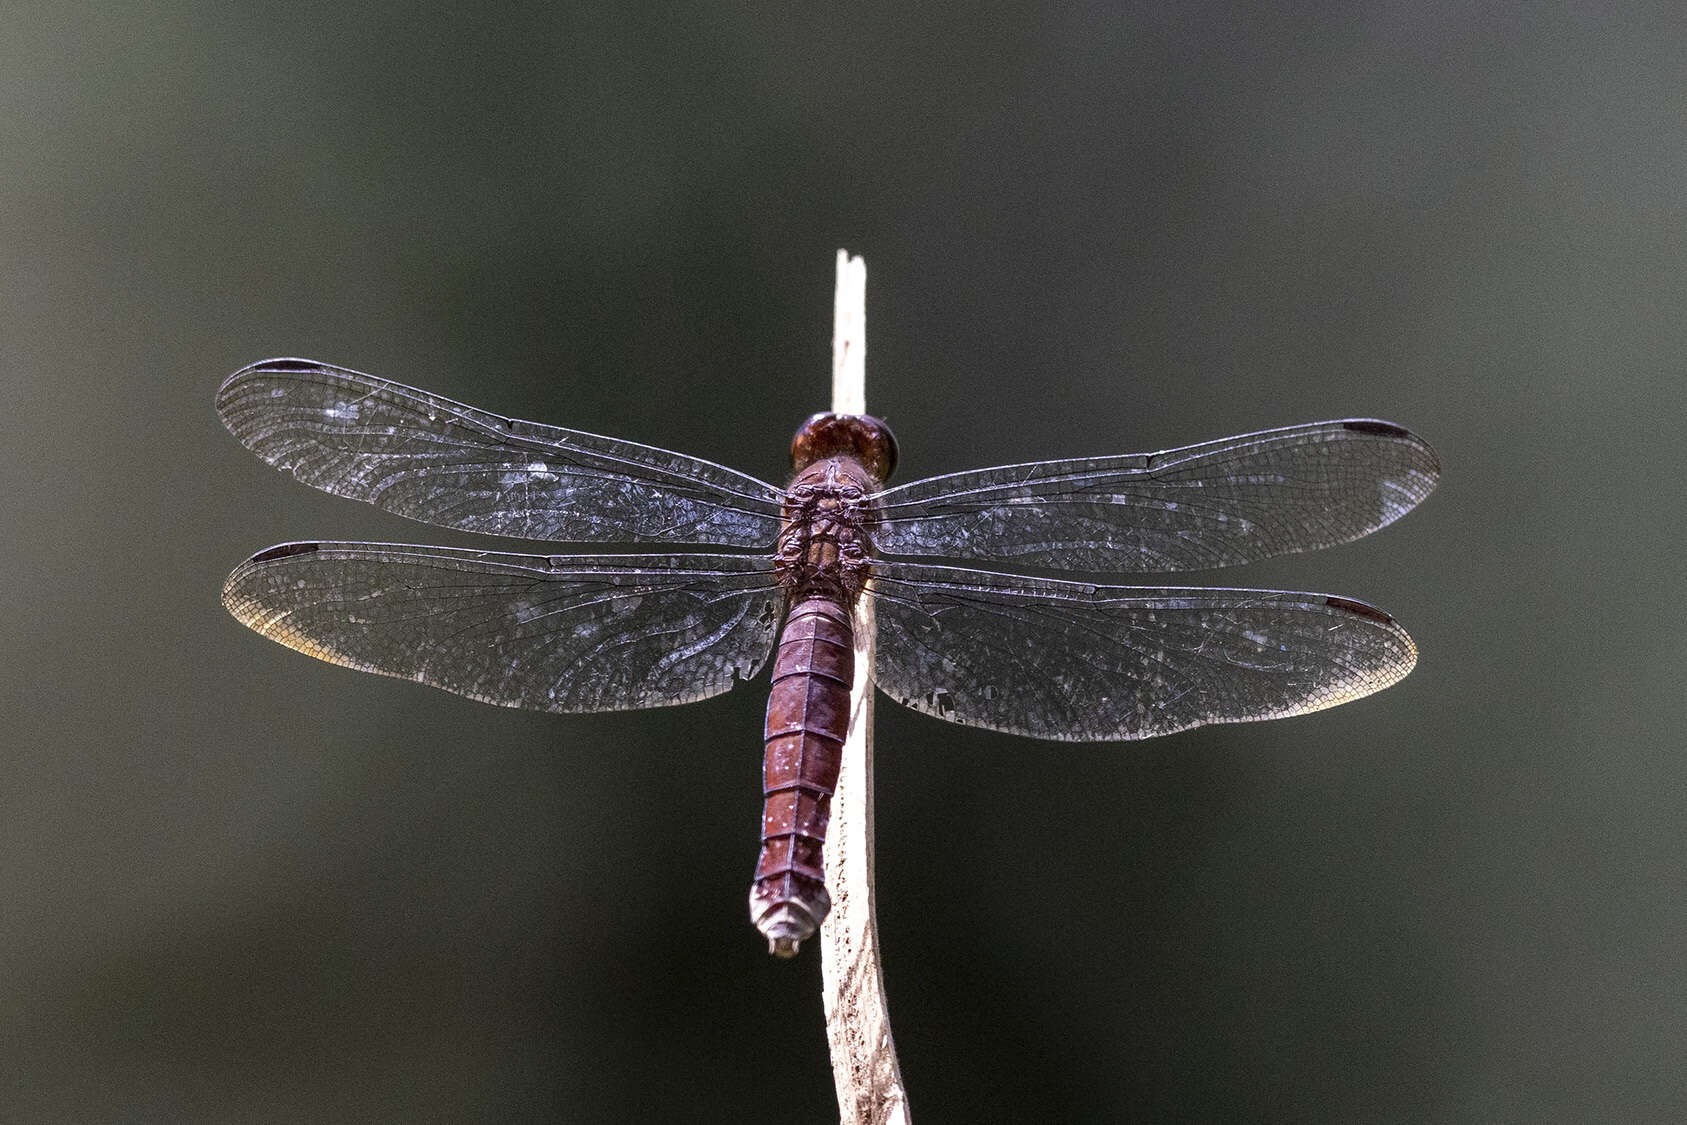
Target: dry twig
column 864, row 1067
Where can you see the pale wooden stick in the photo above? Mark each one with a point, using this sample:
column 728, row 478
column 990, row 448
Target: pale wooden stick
column 849, row 337
column 864, row 1064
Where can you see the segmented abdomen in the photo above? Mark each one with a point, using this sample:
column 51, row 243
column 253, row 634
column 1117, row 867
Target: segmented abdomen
column 807, row 718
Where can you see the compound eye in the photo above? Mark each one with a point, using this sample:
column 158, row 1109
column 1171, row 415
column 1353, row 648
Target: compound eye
column 890, row 452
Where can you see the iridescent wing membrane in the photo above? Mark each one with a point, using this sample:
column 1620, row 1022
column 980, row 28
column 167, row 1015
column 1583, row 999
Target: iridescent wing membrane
column 553, row 633
column 1040, row 657
column 564, row 633
column 1080, row 663
column 1069, row 660
column 440, row 462
column 1220, row 503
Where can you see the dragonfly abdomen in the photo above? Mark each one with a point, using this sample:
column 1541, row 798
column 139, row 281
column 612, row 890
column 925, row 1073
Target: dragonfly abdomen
column 807, row 718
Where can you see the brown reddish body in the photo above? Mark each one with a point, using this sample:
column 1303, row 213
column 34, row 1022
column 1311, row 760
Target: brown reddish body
column 823, row 560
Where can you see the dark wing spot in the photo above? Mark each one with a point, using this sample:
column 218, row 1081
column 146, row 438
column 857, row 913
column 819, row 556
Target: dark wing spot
column 941, row 700
column 283, row 365
column 1360, row 608
column 285, row 550
column 1372, row 426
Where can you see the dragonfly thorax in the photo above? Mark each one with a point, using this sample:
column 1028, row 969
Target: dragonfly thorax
column 826, row 543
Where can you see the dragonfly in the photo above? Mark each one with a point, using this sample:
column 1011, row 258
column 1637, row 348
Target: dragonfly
column 774, row 574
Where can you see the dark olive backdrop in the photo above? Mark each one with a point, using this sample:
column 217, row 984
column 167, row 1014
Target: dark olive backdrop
column 241, row 885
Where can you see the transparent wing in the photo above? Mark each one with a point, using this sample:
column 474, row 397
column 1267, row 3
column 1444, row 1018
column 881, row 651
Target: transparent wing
column 559, row 633
column 1220, row 503
column 444, row 463
column 1082, row 663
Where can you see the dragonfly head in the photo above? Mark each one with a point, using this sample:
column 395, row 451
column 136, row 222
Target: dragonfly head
column 858, row 436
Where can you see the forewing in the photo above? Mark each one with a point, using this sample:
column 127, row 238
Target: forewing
column 559, row 633
column 441, row 462
column 1220, row 503
column 1082, row 663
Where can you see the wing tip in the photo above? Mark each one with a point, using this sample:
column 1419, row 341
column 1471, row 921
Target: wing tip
column 228, row 397
column 1408, row 655
column 240, row 604
column 1430, row 470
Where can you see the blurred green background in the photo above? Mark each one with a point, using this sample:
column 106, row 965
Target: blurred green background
column 240, row 885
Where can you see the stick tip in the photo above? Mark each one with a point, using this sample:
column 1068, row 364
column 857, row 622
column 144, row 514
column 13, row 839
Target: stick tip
column 849, row 336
